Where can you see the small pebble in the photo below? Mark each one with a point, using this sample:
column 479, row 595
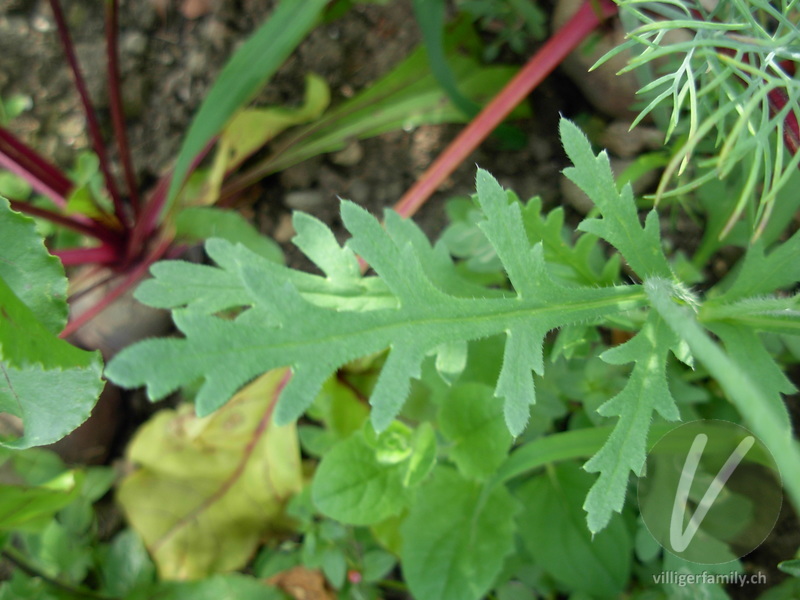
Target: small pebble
column 350, row 156
column 284, row 231
column 216, row 33
column 133, row 43
column 305, row 200
column 196, row 63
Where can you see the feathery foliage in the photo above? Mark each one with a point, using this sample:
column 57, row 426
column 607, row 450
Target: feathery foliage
column 721, row 75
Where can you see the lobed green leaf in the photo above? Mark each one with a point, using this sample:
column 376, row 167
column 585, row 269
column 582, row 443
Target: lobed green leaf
column 282, row 327
column 645, row 392
column 761, row 273
column 620, row 226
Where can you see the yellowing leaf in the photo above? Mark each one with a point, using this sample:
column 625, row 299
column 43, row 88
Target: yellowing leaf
column 209, row 490
column 252, row 128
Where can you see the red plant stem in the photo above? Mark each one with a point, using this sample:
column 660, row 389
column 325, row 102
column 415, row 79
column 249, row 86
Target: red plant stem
column 91, row 118
column 115, row 100
column 82, row 256
column 777, row 99
column 791, row 130
column 148, row 219
column 91, row 228
column 129, row 280
column 549, row 56
column 43, row 176
column 147, row 222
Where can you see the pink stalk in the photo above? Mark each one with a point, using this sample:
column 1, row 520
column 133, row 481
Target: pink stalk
column 25, row 162
column 117, row 112
column 91, row 228
column 791, row 130
column 82, row 256
column 148, row 218
column 91, row 118
column 777, row 99
column 543, row 62
column 129, row 280
column 147, row 222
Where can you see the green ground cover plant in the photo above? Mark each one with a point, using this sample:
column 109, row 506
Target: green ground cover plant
column 475, row 398
column 467, row 419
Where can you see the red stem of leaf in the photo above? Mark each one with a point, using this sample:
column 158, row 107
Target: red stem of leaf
column 25, row 162
column 549, row 56
column 791, row 130
column 778, row 99
column 129, row 280
column 82, row 256
column 146, row 223
column 91, row 118
column 91, row 228
column 115, row 101
column 148, row 220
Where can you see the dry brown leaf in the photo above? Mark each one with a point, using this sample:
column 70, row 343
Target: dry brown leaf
column 302, row 584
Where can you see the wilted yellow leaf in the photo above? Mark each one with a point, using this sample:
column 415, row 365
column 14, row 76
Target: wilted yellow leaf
column 252, row 128
column 209, row 490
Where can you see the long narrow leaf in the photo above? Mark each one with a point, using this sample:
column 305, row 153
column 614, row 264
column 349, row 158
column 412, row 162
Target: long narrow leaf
column 246, row 73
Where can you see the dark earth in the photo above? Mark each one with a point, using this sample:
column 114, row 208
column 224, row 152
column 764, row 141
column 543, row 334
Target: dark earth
column 169, row 61
column 170, row 54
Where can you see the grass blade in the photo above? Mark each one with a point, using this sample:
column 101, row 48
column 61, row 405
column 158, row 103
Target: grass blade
column 244, row 74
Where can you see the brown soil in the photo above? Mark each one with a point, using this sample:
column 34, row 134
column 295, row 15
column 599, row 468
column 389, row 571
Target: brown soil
column 169, row 62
